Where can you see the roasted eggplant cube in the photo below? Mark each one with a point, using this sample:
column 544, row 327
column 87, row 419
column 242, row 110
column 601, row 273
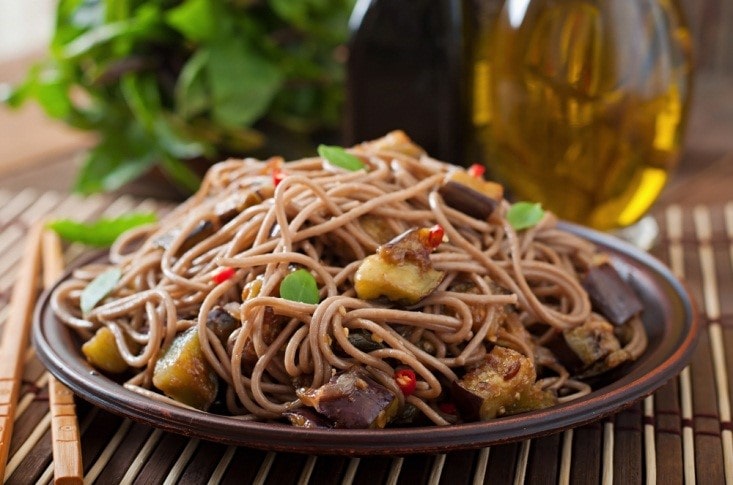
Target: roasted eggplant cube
column 592, row 341
column 222, row 323
column 352, row 400
column 101, row 351
column 503, row 384
column 473, row 196
column 304, row 417
column 406, row 282
column 610, row 295
column 184, row 374
column 401, row 269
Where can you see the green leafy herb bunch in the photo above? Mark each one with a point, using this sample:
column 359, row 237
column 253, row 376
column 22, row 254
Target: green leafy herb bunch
column 163, row 82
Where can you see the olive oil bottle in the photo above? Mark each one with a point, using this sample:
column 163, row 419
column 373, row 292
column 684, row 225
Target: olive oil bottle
column 577, row 104
column 405, row 72
column 581, row 104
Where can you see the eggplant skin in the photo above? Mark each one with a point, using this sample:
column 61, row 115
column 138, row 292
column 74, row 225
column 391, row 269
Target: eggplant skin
column 184, row 374
column 304, row 417
column 503, row 384
column 352, row 399
column 101, row 351
column 610, row 295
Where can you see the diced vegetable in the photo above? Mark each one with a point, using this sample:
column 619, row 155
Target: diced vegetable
column 223, row 274
column 589, row 349
column 184, row 374
column 401, row 270
column 610, row 295
column 101, row 351
column 362, row 340
column 224, row 212
column 222, row 323
column 471, row 195
column 305, row 417
column 592, row 341
column 406, row 381
column 408, row 282
column 476, row 170
column 352, row 399
column 503, row 384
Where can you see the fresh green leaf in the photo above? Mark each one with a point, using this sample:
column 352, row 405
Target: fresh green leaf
column 243, row 83
column 195, row 19
column 102, row 232
column 192, row 92
column 181, row 174
column 300, row 286
column 523, row 215
column 98, row 289
column 117, row 160
column 340, row 157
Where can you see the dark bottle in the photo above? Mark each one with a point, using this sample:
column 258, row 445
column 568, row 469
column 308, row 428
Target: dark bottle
column 405, row 72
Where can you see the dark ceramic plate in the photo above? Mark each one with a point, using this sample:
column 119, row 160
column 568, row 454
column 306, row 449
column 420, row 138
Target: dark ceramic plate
column 669, row 317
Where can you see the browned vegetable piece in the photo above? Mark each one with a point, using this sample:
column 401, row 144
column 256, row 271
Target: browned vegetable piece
column 592, row 341
column 400, row 270
column 224, row 212
column 222, row 323
column 352, row 399
column 101, row 351
column 503, row 384
column 304, row 417
column 376, row 227
column 183, row 373
column 471, row 195
column 610, row 295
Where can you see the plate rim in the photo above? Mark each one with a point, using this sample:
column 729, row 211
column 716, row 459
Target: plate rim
column 612, row 398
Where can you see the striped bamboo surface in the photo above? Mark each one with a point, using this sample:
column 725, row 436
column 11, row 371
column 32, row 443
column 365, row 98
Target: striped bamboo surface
column 683, row 433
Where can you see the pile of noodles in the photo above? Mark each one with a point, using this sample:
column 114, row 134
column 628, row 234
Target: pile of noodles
column 315, row 219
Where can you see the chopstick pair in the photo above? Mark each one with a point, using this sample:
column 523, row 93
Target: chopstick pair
column 42, row 253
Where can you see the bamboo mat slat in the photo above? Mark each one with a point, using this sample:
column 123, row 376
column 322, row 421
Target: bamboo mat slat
column 683, row 433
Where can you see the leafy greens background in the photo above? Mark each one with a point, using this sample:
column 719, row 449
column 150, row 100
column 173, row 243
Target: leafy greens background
column 163, row 82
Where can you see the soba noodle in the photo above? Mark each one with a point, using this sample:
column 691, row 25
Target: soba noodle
column 525, row 286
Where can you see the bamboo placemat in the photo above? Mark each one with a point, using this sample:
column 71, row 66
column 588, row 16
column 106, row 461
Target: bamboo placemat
column 683, row 433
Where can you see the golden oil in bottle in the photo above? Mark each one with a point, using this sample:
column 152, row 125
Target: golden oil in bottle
column 581, row 104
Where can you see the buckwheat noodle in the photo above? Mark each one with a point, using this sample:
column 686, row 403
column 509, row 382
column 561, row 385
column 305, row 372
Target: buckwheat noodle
column 319, row 218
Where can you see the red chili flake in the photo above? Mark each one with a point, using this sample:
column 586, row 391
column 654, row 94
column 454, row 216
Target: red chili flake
column 406, row 380
column 476, row 170
column 435, row 236
column 448, row 408
column 224, row 274
column 278, row 175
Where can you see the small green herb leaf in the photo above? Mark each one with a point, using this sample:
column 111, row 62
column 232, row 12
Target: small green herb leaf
column 340, row 157
column 102, row 232
column 98, row 288
column 300, row 286
column 523, row 215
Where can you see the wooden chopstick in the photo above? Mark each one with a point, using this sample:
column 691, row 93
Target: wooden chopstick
column 65, row 435
column 15, row 334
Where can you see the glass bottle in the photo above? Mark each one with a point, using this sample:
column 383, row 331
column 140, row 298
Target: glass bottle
column 582, row 104
column 405, row 72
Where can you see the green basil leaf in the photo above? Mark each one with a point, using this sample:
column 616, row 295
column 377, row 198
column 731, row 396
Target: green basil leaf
column 195, row 19
column 243, row 82
column 102, row 232
column 340, row 157
column 523, row 215
column 300, row 286
column 99, row 288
